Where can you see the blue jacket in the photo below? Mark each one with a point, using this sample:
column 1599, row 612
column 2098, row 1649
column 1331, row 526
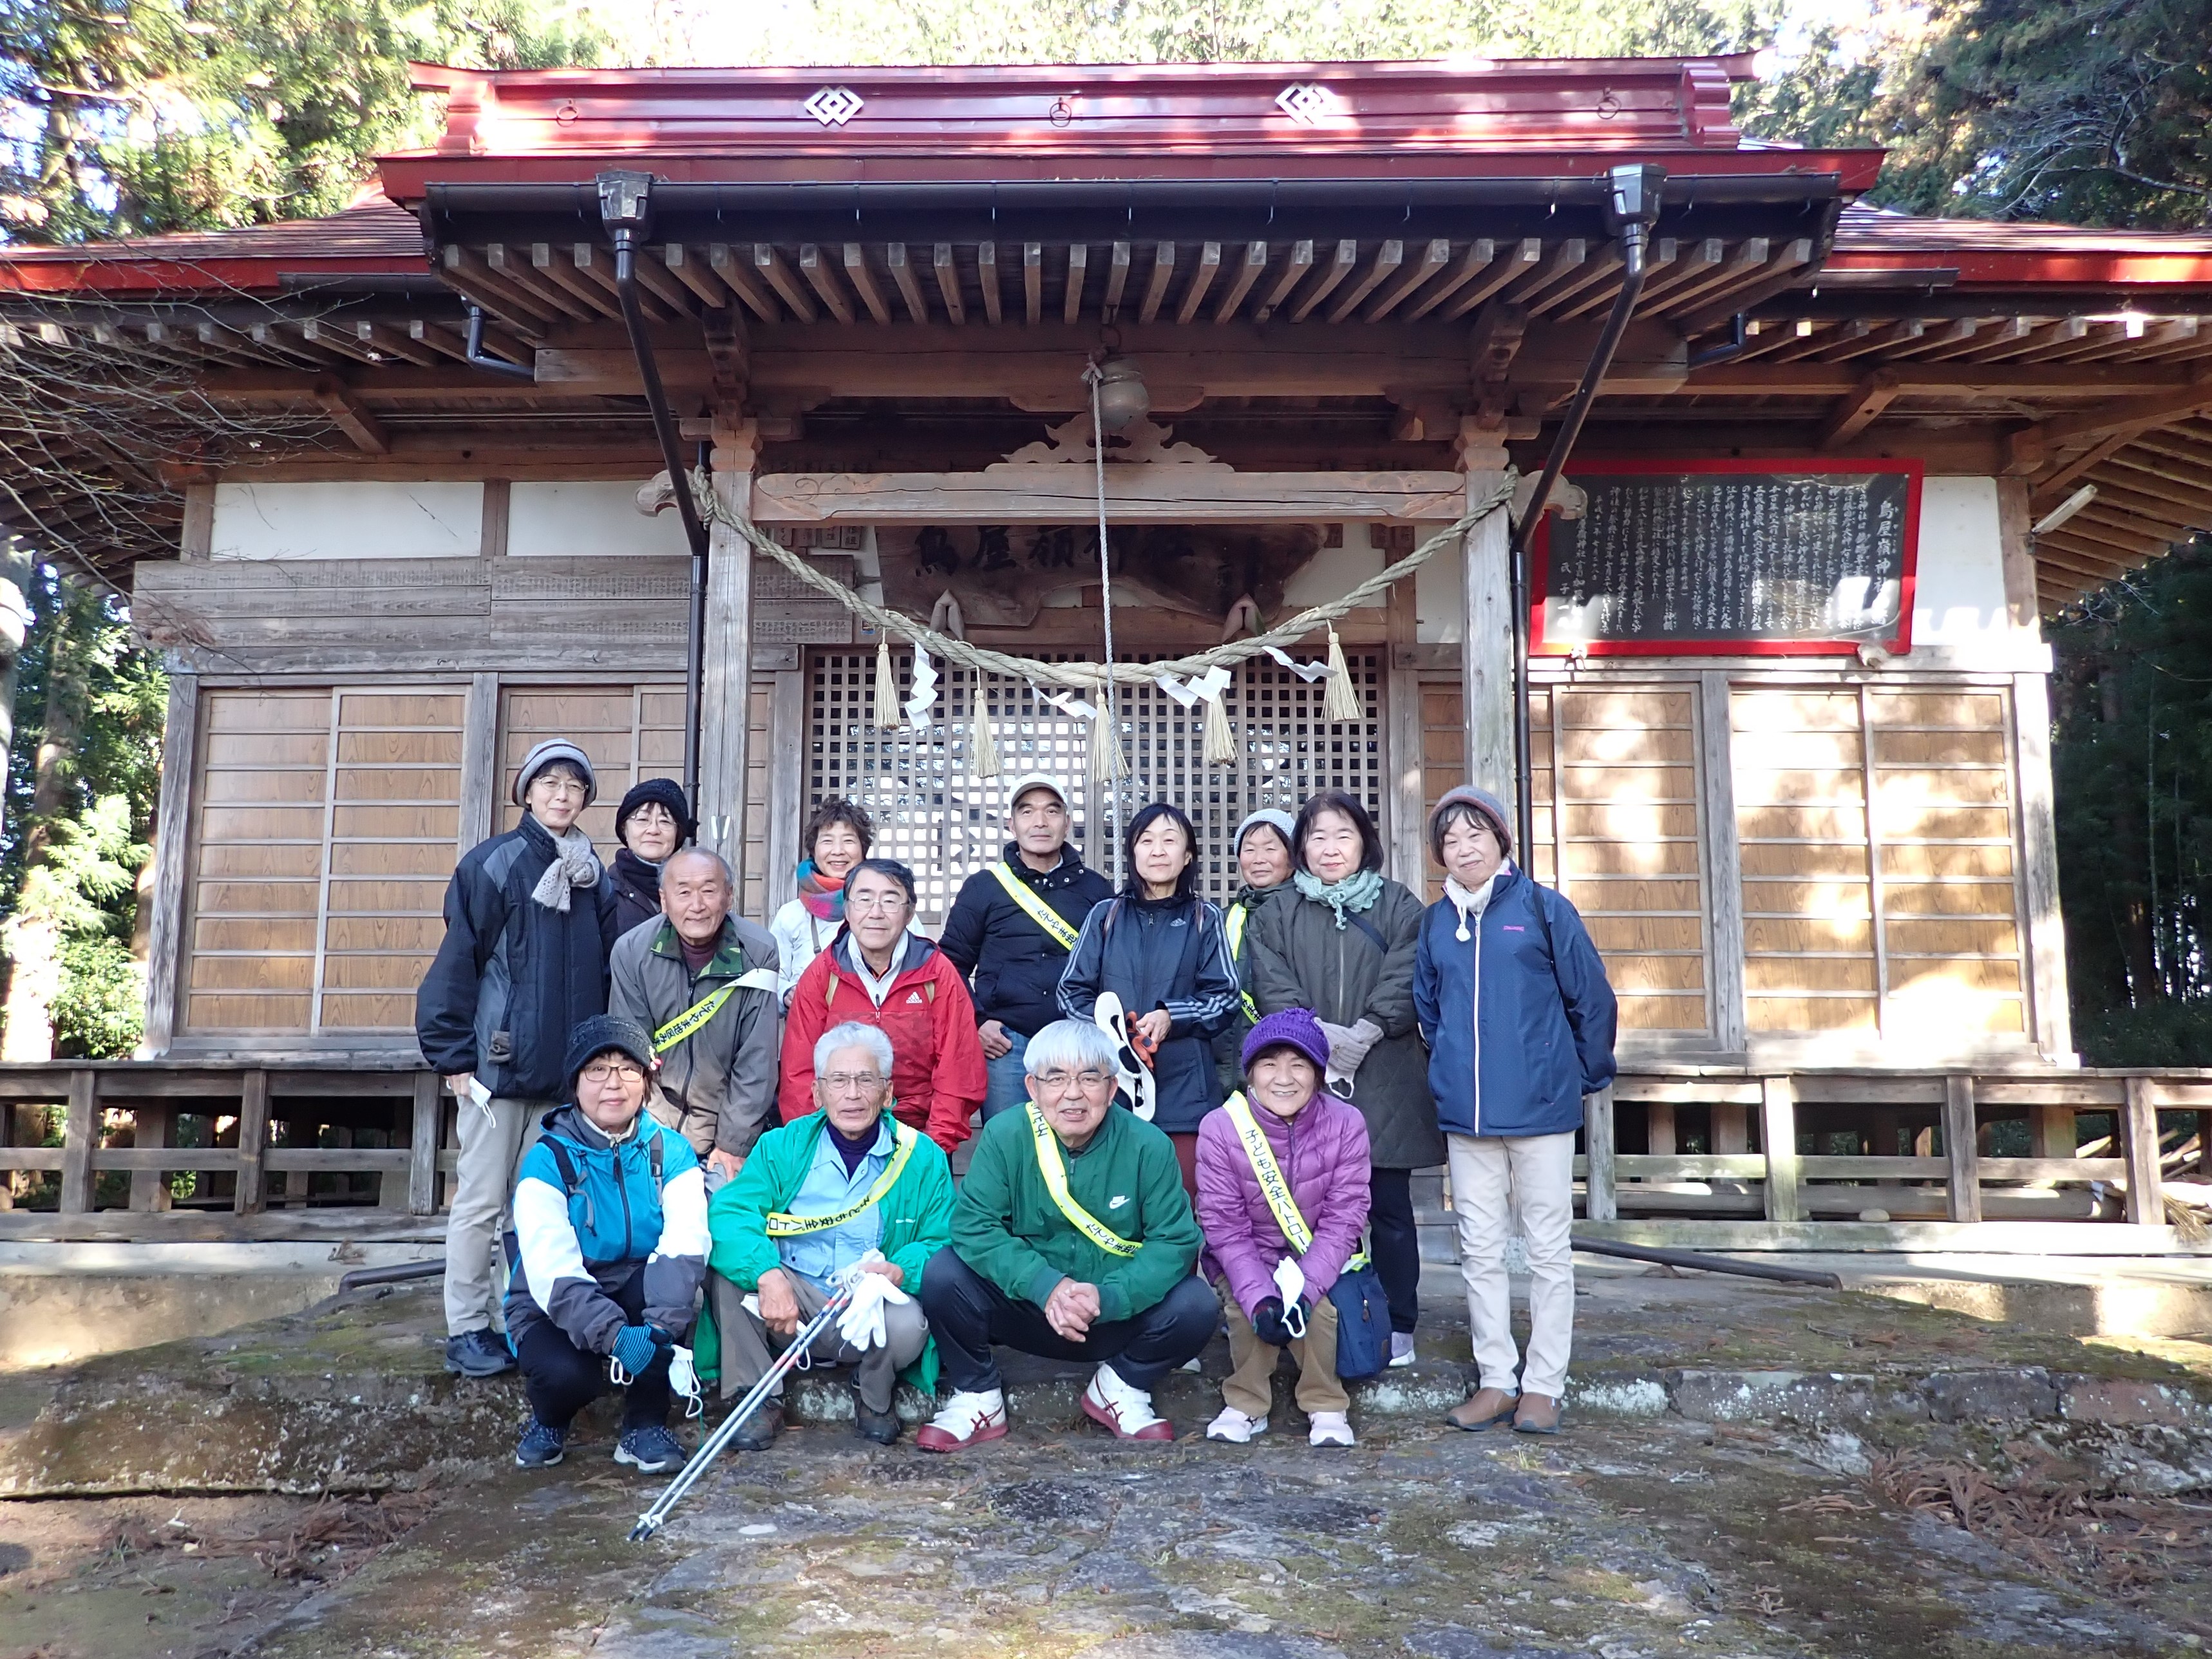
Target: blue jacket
column 513, row 977
column 1542, row 1037
column 1171, row 954
column 589, row 1214
column 1013, row 968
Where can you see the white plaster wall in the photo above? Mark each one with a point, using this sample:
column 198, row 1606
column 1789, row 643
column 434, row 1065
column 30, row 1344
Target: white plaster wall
column 1333, row 572
column 347, row 521
column 589, row 520
column 1960, row 595
column 1439, row 604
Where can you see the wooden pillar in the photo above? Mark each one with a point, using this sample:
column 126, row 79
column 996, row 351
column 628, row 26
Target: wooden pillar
column 787, row 782
column 422, row 1148
column 80, row 1134
column 1402, row 747
column 253, row 1141
column 2053, row 1025
column 1659, row 1129
column 480, row 762
column 726, row 687
column 1598, row 1149
column 1883, row 1125
column 1777, row 1134
column 1723, row 856
column 1962, row 1148
column 1487, row 624
column 2139, row 1140
column 2050, row 1131
column 165, row 951
column 151, row 1126
column 1731, row 1123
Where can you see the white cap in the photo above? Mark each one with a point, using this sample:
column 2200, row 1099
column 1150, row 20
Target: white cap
column 1029, row 780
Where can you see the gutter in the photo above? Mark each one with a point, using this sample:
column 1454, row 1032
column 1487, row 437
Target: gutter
column 626, row 213
column 1632, row 208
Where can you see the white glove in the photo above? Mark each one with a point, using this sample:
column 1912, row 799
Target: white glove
column 1347, row 1049
column 860, row 1324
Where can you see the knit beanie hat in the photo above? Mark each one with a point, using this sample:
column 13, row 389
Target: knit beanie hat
column 670, row 794
column 1481, row 800
column 1294, row 1028
column 1276, row 819
column 552, row 750
column 600, row 1034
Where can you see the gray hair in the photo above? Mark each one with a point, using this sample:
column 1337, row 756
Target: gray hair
column 729, row 876
column 1070, row 1045
column 853, row 1034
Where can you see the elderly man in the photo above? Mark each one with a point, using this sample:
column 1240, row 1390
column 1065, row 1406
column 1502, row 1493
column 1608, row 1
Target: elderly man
column 703, row 982
column 847, row 1187
column 610, row 1232
column 1072, row 1239
column 530, row 917
column 1012, row 927
column 880, row 971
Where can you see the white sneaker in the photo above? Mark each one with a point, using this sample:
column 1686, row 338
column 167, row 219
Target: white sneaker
column 1235, row 1427
column 1401, row 1350
column 1330, row 1429
column 1193, row 1366
column 1113, row 1404
column 967, row 1419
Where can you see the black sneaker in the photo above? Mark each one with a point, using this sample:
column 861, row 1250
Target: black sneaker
column 541, row 1447
column 478, row 1354
column 882, row 1427
column 761, row 1428
column 650, row 1450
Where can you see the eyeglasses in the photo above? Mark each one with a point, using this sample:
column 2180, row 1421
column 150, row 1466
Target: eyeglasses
column 851, row 1082
column 608, row 1071
column 1091, row 1081
column 869, row 903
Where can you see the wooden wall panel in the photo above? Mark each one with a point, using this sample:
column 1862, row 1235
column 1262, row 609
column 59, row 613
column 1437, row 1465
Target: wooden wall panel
column 1799, row 771
column 630, row 731
column 1443, row 763
column 763, row 889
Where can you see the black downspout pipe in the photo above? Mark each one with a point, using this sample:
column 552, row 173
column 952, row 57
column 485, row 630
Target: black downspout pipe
column 626, row 211
column 472, row 352
column 1632, row 206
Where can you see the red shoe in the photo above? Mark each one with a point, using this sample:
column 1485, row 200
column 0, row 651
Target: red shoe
column 967, row 1419
column 1126, row 1412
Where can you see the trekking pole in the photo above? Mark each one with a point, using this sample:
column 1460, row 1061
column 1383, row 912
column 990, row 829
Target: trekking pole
column 652, row 1520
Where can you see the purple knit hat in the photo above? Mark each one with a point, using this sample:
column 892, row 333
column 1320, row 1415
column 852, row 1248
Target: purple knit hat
column 1295, row 1028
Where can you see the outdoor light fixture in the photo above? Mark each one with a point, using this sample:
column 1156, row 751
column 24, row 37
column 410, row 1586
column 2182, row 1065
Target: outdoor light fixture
column 1122, row 398
column 2065, row 510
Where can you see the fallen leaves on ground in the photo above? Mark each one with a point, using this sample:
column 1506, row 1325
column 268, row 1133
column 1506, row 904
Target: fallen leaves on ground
column 326, row 1543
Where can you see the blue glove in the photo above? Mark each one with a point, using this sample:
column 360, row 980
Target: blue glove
column 1267, row 1322
column 636, row 1348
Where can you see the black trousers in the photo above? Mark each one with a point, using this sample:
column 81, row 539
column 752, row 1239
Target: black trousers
column 1395, row 1245
column 968, row 1313
column 561, row 1379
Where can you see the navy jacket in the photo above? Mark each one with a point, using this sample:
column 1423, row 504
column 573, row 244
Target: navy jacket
column 514, row 977
column 1167, row 953
column 637, row 891
column 1517, row 1035
column 1013, row 966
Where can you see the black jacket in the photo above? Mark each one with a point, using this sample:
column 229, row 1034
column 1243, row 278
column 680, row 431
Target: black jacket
column 637, row 890
column 513, row 977
column 1013, row 968
column 1161, row 953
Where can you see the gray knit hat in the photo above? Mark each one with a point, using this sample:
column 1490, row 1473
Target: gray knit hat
column 1482, row 801
column 555, row 749
column 1276, row 819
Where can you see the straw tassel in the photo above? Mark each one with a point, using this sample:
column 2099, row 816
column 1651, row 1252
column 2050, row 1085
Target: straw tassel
column 1220, row 740
column 888, row 714
column 1106, row 761
column 982, row 747
column 1342, row 704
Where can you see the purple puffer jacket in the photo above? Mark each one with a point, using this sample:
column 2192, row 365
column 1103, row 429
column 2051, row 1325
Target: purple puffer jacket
column 1322, row 1152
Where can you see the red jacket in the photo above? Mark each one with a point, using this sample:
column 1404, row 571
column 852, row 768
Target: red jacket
column 937, row 1062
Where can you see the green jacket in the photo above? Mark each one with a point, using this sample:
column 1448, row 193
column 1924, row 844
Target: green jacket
column 916, row 1214
column 1007, row 1229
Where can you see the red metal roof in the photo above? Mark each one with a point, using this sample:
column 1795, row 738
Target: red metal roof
column 370, row 236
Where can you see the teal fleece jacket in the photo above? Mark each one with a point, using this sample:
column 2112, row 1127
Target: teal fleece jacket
column 1007, row 1229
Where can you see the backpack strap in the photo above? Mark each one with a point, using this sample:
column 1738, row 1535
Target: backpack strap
column 1372, row 932
column 571, row 1181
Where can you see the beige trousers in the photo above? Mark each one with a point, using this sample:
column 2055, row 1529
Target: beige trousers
column 492, row 1142
column 1496, row 1182
column 1249, row 1386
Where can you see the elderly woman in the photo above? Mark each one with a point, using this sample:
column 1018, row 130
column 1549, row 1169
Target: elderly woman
column 653, row 821
column 1263, row 870
column 1165, row 952
column 1344, row 947
column 610, row 1228
column 837, row 837
column 842, row 1189
column 1285, row 1135
column 1513, row 1000
column 880, row 971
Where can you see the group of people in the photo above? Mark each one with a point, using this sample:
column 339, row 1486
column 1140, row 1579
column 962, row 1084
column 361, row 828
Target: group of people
column 1185, row 1115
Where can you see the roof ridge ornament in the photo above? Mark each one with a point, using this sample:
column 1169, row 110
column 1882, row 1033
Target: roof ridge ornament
column 1310, row 104
column 834, row 106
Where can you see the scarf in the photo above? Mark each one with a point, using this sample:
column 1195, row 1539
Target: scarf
column 824, row 899
column 1470, row 904
column 1355, row 893
column 574, row 864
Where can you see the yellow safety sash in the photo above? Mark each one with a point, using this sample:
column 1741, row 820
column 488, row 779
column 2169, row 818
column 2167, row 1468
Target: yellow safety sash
column 1052, row 1164
column 1272, row 1187
column 1054, row 924
column 692, row 1020
column 782, row 1224
column 1234, row 922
